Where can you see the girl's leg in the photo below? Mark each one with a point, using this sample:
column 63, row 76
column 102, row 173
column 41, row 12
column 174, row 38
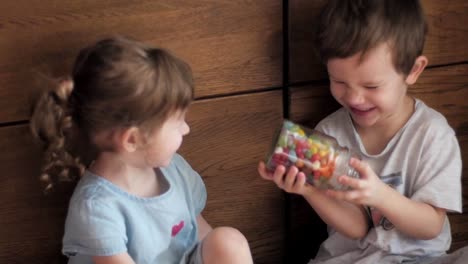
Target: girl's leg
column 226, row 245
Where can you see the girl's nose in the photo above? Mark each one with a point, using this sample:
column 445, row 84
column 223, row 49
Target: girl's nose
column 185, row 129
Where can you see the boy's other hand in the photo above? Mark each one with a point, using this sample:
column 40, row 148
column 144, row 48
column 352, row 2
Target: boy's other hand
column 365, row 190
column 292, row 182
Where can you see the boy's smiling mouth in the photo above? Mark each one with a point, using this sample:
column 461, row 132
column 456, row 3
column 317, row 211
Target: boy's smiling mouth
column 361, row 112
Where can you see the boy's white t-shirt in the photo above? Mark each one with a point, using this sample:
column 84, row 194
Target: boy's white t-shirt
column 422, row 162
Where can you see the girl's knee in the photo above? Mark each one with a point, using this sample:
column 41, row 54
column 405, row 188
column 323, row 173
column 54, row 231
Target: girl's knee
column 225, row 242
column 227, row 236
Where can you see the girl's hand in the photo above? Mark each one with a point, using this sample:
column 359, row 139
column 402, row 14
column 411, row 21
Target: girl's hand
column 364, row 191
column 292, row 182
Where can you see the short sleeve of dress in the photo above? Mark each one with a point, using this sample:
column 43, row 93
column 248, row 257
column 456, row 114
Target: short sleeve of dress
column 439, row 174
column 194, row 184
column 93, row 229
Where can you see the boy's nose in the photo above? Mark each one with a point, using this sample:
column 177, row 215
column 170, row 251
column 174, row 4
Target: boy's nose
column 353, row 96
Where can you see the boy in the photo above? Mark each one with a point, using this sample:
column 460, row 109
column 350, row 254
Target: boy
column 411, row 165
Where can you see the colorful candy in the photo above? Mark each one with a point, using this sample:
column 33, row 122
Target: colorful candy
column 317, row 155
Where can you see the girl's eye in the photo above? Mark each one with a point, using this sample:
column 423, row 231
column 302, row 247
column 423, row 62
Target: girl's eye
column 371, row 87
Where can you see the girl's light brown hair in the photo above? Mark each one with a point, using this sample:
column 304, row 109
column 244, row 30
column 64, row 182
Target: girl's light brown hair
column 115, row 83
column 347, row 27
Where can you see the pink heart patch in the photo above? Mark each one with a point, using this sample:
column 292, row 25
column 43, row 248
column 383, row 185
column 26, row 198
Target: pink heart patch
column 176, row 228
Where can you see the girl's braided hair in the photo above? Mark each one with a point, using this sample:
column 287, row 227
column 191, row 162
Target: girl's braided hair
column 116, row 83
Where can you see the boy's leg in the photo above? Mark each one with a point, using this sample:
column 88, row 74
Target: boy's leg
column 225, row 245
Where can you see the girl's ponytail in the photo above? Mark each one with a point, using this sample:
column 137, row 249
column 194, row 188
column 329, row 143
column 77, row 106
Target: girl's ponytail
column 52, row 124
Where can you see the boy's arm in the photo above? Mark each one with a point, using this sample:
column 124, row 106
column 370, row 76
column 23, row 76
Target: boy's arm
column 416, row 219
column 349, row 219
column 346, row 218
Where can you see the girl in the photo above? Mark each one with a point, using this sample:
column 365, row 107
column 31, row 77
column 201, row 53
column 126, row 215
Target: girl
column 138, row 201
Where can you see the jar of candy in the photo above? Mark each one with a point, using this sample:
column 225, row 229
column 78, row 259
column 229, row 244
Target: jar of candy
column 316, row 154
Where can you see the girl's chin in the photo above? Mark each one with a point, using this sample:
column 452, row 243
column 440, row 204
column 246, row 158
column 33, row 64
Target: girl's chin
column 164, row 164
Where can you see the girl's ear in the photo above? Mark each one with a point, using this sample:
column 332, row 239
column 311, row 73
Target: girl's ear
column 128, row 139
column 418, row 67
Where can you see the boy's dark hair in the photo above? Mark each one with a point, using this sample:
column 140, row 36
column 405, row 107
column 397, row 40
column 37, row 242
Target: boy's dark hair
column 347, row 27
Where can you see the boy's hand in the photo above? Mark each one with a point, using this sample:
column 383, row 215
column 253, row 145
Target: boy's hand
column 364, row 191
column 292, row 182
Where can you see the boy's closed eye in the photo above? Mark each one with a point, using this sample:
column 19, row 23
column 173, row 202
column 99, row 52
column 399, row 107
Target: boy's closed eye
column 372, row 84
column 337, row 82
column 365, row 85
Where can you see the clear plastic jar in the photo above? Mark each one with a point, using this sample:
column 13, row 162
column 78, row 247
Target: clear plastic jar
column 319, row 156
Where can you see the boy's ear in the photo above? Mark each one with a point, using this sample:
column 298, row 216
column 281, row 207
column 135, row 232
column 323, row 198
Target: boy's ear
column 127, row 139
column 418, row 67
